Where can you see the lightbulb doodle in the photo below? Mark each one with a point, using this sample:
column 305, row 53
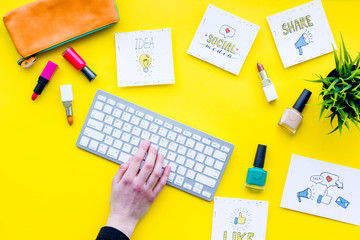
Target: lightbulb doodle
column 303, row 41
column 328, row 180
column 145, row 61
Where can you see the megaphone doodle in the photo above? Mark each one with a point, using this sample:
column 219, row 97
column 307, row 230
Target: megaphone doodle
column 304, row 194
column 304, row 40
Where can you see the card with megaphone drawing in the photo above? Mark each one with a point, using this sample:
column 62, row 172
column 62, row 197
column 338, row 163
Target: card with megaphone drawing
column 323, row 189
column 236, row 218
column 144, row 58
column 301, row 33
column 223, row 39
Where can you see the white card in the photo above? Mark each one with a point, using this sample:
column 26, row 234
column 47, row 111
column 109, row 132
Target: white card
column 223, row 39
column 144, row 58
column 239, row 219
column 322, row 189
column 301, row 33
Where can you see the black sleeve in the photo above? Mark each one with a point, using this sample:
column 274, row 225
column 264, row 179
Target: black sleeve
column 110, row 233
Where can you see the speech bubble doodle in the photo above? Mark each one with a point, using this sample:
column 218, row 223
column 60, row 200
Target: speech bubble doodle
column 227, row 31
column 327, row 179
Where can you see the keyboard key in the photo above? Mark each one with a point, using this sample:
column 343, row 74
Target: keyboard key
column 187, row 133
column 120, row 105
column 211, row 172
column 182, row 150
column 208, row 150
column 94, row 134
column 215, row 145
column 225, row 149
column 116, row 133
column 163, row 142
column 172, row 135
column 118, row 123
column 113, row 153
column 200, row 157
column 153, row 128
column 171, row 177
column 173, row 146
column 165, row 163
column 95, row 124
column 187, row 186
column 111, row 102
column 108, row 109
column 136, row 131
column 135, row 120
column 145, row 135
column 84, row 141
column 180, row 139
column 199, row 167
column 198, row 188
column 206, row 141
column 98, row 105
column 130, row 110
column 125, row 137
column 154, row 138
column 177, row 129
column 163, row 151
column 102, row 148
column 150, row 118
column 196, row 137
column 179, row 180
column 190, row 143
column 209, row 161
column 124, row 157
column 117, row 144
column 173, row 166
column 189, row 163
column 117, row 113
column 97, row 115
column 181, row 170
column 108, row 140
column 109, row 120
column 199, row 147
column 218, row 165
column 158, row 121
column 168, row 125
column 206, row 194
column 133, row 151
column 101, row 98
column 162, row 132
column 135, row 141
column 126, row 148
column 191, row 154
column 127, row 127
column 140, row 114
column 171, row 156
column 144, row 124
column 126, row 116
column 205, row 180
column 93, row 145
column 180, row 160
column 190, row 174
column 107, row 129
column 220, row 155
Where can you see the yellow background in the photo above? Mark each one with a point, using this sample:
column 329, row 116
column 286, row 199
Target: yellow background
column 50, row 189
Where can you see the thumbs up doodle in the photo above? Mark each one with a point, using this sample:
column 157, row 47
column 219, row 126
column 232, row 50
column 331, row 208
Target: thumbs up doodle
column 325, row 199
column 240, row 219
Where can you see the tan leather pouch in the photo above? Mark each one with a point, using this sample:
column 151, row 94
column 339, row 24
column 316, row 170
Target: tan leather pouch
column 45, row 24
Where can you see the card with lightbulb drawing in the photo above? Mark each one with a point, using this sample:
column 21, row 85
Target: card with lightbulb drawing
column 144, row 58
column 236, row 218
column 301, row 33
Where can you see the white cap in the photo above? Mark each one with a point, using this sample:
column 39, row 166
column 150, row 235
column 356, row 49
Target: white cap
column 270, row 93
column 66, row 93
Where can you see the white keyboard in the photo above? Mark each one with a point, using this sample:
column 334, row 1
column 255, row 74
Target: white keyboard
column 114, row 128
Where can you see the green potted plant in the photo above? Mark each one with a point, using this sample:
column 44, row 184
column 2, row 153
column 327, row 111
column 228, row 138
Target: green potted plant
column 340, row 91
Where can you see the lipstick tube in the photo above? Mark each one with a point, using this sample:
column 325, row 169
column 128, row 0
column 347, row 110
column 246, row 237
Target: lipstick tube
column 79, row 64
column 67, row 98
column 268, row 86
column 44, row 79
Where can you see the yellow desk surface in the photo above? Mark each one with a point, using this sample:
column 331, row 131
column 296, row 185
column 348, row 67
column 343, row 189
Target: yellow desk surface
column 50, row 189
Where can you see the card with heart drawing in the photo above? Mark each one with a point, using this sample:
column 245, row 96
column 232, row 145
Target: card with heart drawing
column 223, row 39
column 239, row 219
column 323, row 189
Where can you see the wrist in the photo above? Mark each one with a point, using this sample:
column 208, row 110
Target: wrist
column 126, row 226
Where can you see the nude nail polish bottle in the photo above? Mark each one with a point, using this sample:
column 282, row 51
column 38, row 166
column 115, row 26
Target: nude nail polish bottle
column 292, row 118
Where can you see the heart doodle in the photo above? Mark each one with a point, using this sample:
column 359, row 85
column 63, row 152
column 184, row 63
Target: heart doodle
column 328, row 178
column 227, row 30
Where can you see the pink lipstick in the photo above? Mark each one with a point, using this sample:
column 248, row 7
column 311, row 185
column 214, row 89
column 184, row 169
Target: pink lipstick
column 268, row 87
column 44, row 79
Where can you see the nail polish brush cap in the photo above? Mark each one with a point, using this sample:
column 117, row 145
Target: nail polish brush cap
column 302, row 100
column 89, row 74
column 260, row 156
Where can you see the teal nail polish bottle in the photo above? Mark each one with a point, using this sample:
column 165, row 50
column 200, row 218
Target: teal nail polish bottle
column 256, row 176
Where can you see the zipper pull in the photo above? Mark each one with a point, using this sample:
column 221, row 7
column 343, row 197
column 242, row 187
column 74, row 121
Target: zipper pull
column 27, row 62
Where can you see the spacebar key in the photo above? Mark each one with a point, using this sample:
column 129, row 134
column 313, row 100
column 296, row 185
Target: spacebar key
column 205, row 180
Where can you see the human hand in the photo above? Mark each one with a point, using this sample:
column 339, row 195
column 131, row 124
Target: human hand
column 133, row 191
